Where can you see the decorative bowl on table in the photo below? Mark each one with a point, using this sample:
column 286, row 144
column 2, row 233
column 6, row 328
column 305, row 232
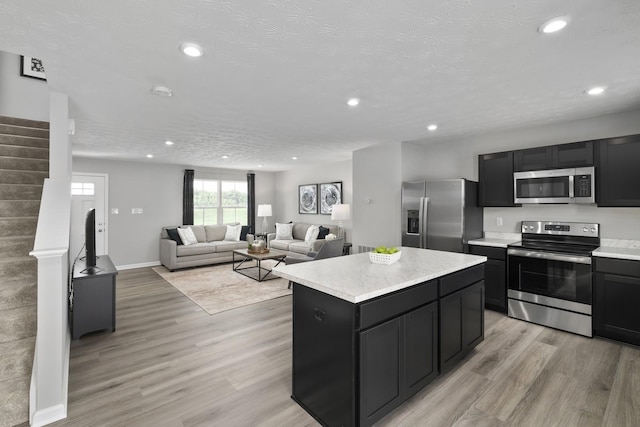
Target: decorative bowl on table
column 387, row 259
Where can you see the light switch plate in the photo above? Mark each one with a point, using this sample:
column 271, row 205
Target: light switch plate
column 114, row 211
column 136, row 211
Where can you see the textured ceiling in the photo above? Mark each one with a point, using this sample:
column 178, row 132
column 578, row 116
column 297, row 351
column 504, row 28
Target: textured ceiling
column 276, row 74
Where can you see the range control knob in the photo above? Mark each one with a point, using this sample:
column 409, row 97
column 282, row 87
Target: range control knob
column 585, row 229
column 593, row 229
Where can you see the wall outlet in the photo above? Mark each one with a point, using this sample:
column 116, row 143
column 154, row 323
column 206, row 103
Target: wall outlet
column 499, row 221
column 114, row 211
column 136, row 211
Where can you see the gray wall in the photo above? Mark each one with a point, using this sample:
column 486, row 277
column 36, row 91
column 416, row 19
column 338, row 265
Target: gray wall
column 377, row 181
column 157, row 189
column 22, row 97
column 459, row 159
column 285, row 204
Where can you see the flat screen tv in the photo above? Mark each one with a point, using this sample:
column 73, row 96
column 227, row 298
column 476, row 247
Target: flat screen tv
column 90, row 238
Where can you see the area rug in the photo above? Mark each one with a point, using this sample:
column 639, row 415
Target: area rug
column 219, row 288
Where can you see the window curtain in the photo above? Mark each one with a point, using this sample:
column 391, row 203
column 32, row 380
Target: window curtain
column 251, row 202
column 187, row 197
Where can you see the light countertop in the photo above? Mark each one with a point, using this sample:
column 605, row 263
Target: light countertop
column 492, row 241
column 355, row 278
column 617, row 252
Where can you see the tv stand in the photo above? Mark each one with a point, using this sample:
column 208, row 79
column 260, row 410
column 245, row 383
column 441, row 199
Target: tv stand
column 93, row 300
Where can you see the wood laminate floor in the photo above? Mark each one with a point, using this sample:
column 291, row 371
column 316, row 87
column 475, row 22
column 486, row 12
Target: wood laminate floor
column 171, row 364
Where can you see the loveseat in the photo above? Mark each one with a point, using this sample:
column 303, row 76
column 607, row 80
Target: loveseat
column 211, row 246
column 296, row 244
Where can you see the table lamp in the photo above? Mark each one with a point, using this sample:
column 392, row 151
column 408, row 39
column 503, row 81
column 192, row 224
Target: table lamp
column 264, row 211
column 341, row 213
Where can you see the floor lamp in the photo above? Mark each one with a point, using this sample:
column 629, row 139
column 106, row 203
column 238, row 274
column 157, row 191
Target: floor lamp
column 264, row 211
column 341, row 213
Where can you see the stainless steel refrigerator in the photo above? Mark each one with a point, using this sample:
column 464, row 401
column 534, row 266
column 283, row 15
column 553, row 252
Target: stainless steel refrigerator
column 442, row 215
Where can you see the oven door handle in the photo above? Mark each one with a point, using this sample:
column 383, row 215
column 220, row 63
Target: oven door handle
column 550, row 256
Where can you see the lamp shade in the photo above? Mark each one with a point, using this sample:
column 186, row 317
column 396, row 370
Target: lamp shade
column 341, row 212
column 264, row 210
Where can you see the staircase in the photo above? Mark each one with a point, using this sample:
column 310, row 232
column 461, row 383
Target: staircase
column 24, row 164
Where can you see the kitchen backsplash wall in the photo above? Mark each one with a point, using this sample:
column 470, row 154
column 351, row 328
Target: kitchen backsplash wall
column 615, row 223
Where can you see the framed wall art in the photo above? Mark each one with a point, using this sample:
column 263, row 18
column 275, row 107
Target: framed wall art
column 32, row 67
column 308, row 199
column 330, row 194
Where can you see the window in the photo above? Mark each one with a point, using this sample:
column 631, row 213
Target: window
column 219, row 202
column 82, row 189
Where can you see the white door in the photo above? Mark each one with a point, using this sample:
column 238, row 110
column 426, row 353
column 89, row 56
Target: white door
column 88, row 191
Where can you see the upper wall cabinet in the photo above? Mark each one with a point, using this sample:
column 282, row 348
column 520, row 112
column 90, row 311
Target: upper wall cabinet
column 496, row 179
column 576, row 154
column 618, row 172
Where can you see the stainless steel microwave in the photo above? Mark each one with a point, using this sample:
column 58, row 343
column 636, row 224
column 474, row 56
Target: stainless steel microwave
column 576, row 185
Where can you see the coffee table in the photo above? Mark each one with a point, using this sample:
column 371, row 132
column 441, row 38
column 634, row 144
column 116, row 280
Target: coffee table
column 256, row 271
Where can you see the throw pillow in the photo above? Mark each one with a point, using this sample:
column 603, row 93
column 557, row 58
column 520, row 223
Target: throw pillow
column 322, row 233
column 173, row 235
column 312, row 234
column 284, row 231
column 233, row 233
column 246, row 229
column 187, row 236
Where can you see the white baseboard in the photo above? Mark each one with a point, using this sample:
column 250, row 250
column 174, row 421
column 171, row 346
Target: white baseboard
column 142, row 264
column 49, row 415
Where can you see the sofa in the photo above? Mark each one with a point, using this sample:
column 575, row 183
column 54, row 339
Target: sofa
column 297, row 244
column 211, row 247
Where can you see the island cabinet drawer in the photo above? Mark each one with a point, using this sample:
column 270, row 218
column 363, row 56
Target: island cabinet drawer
column 393, row 305
column 461, row 279
column 621, row 267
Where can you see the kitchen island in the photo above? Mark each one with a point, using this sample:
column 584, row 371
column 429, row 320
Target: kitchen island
column 367, row 336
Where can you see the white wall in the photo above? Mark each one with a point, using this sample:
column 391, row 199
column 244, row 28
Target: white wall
column 285, row 204
column 459, row 159
column 22, row 97
column 157, row 189
column 377, row 178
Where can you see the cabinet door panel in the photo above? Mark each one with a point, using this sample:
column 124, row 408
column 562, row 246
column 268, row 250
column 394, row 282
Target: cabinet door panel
column 421, row 346
column 495, row 282
column 576, row 154
column 616, row 313
column 473, row 315
column 533, row 159
column 380, row 376
column 617, row 172
column 496, row 179
column 450, row 329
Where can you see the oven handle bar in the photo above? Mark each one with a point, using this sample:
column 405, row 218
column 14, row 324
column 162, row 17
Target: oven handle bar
column 550, row 256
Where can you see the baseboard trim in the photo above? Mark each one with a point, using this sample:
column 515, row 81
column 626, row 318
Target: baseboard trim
column 140, row 265
column 49, row 415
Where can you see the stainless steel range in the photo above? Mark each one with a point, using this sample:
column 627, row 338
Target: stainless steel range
column 549, row 274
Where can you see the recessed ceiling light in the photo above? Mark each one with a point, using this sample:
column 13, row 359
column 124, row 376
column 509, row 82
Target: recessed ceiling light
column 192, row 49
column 149, row 156
column 168, row 142
column 553, row 25
column 432, row 127
column 161, row 90
column 259, row 166
column 598, row 90
column 353, row 102
column 225, row 157
column 294, row 158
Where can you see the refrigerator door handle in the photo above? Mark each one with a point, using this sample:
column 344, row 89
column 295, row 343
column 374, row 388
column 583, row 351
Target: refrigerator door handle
column 424, row 203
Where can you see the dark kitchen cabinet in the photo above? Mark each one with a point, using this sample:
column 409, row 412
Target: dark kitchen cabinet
column 495, row 175
column 618, row 172
column 461, row 316
column 495, row 279
column 532, row 159
column 397, row 358
column 576, row 154
column 616, row 296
